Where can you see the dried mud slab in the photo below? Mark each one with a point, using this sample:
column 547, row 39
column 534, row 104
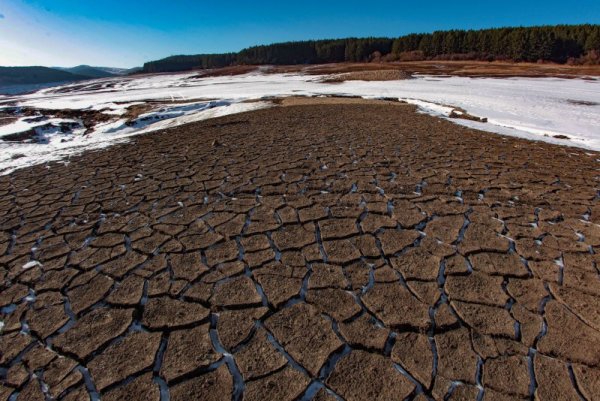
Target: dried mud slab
column 364, row 376
column 313, row 348
column 213, row 386
column 328, row 249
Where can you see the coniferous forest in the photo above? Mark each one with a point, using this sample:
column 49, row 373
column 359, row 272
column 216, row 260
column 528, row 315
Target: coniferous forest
column 559, row 44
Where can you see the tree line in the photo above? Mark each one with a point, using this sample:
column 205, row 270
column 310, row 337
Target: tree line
column 560, row 44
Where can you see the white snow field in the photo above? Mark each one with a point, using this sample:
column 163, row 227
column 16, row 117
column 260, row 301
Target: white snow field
column 534, row 108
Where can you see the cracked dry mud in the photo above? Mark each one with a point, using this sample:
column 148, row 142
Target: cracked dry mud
column 317, row 252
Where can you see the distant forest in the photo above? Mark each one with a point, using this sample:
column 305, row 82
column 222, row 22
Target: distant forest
column 560, row 44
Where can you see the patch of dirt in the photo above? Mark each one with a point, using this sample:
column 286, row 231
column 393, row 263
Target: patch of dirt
column 329, row 100
column 376, row 75
column 582, row 102
column 7, row 120
column 133, row 112
column 495, row 69
column 460, row 113
column 89, row 118
column 226, row 71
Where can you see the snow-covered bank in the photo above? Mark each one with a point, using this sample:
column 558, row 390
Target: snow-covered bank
column 60, row 146
column 537, row 108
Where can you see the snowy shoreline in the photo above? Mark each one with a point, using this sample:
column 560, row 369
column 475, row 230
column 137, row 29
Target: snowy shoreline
column 547, row 109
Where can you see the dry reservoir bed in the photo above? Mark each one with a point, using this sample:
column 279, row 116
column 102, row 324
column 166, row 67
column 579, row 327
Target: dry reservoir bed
column 337, row 251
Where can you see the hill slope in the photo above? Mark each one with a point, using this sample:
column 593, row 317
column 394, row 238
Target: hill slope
column 10, row 76
column 88, row 71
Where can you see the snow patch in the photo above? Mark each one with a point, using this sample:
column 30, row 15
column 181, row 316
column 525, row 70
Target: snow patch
column 532, row 108
column 31, row 264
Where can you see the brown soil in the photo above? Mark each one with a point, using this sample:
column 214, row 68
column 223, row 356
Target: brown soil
column 6, row 120
column 494, row 69
column 331, row 100
column 375, row 75
column 89, row 119
column 225, row 71
column 461, row 113
column 358, row 245
column 133, row 112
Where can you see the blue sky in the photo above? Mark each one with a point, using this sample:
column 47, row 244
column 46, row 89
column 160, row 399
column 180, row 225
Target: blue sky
column 126, row 33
